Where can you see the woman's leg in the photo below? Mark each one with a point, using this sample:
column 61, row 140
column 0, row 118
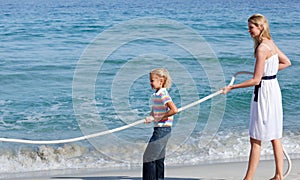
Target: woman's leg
column 253, row 159
column 278, row 155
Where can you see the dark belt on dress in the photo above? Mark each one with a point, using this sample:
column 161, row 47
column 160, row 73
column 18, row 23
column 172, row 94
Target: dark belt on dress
column 258, row 86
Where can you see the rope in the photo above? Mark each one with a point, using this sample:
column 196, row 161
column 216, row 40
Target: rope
column 288, row 170
column 139, row 122
column 73, row 139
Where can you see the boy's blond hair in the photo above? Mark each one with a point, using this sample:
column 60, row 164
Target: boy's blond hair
column 163, row 73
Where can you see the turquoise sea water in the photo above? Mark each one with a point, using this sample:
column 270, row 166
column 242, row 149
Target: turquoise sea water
column 43, row 43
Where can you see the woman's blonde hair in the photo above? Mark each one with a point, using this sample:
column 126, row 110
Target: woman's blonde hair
column 260, row 20
column 163, row 73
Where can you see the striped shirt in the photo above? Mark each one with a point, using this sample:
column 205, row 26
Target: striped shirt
column 159, row 108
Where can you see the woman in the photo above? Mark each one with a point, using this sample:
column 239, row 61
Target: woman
column 266, row 106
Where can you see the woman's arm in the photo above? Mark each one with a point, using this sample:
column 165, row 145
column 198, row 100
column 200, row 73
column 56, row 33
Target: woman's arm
column 284, row 61
column 261, row 56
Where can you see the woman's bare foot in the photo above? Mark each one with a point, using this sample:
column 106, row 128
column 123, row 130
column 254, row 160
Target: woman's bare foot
column 277, row 177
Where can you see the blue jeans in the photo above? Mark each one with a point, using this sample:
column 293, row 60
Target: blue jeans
column 154, row 155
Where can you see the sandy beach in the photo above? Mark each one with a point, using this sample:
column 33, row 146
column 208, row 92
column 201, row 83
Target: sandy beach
column 217, row 171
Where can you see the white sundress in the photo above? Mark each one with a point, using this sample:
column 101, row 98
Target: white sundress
column 266, row 114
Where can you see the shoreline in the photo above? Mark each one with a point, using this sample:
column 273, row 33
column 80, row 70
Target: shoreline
column 214, row 171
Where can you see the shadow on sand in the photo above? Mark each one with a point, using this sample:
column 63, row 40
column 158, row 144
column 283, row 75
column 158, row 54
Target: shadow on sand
column 122, row 178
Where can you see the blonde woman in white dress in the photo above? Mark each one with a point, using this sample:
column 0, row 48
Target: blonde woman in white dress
column 266, row 105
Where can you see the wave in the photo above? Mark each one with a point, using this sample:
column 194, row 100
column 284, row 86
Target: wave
column 225, row 146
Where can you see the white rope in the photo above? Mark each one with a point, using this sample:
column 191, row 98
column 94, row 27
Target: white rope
column 139, row 122
column 288, row 170
column 73, row 139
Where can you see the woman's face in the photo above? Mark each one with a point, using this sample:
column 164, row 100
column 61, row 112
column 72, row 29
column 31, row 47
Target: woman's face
column 254, row 30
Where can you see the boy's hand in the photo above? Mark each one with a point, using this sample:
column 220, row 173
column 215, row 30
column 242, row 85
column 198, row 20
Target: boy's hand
column 149, row 119
column 156, row 119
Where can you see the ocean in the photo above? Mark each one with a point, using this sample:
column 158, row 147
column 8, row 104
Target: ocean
column 74, row 68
